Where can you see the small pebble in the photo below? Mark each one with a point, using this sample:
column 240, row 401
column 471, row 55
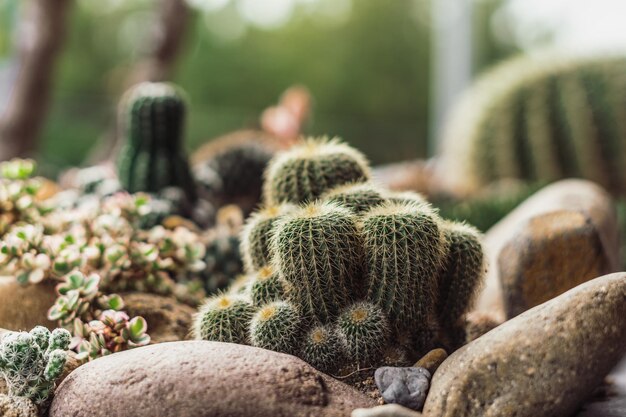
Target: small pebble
column 432, row 360
column 404, row 386
column 387, row 410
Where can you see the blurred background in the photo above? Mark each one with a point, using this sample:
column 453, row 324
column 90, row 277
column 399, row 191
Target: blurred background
column 383, row 74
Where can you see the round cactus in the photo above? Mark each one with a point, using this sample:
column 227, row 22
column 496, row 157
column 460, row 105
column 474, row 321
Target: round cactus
column 256, row 235
column 152, row 157
column 404, row 249
column 318, row 251
column 364, row 331
column 359, row 197
column 323, row 349
column 266, row 287
column 276, row 326
column 224, row 318
column 401, row 197
column 307, row 171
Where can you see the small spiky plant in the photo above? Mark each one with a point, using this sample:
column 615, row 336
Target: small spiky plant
column 277, row 326
column 404, row 250
column 224, row 318
column 364, row 331
column 359, row 197
column 256, row 235
column 152, row 157
column 323, row 348
column 266, row 286
column 305, row 172
column 31, row 362
column 404, row 197
column 318, row 251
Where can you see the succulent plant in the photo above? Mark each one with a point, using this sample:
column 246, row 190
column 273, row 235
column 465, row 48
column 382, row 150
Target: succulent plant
column 359, row 197
column 306, row 172
column 323, row 348
column 277, row 326
column 265, row 286
column 364, row 332
column 318, row 253
column 31, row 362
column 152, row 157
column 224, row 318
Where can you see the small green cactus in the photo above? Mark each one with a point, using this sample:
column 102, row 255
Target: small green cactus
column 364, row 331
column 152, row 157
column 323, row 349
column 257, row 233
column 404, row 247
column 318, row 251
column 224, row 318
column 276, row 326
column 31, row 362
column 266, row 287
column 305, row 172
column 404, row 197
column 460, row 279
column 359, row 197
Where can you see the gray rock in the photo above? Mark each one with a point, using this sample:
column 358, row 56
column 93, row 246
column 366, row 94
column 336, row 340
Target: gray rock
column 202, row 379
column 404, row 386
column 544, row 362
column 387, row 410
column 612, row 399
column 17, row 407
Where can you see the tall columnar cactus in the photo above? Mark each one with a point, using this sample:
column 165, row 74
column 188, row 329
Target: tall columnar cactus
column 359, row 197
column 307, row 171
column 224, row 318
column 461, row 275
column 153, row 157
column 364, row 331
column 404, row 250
column 257, row 233
column 318, row 251
column 541, row 119
column 277, row 326
column 31, row 362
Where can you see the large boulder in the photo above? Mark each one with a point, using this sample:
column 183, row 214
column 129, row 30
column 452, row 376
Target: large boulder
column 199, row 378
column 544, row 362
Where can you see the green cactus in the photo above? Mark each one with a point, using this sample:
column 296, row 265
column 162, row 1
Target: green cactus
column 404, row 197
column 404, row 250
column 224, row 318
column 257, row 233
column 31, row 362
column 317, row 249
column 542, row 119
column 305, row 172
column 359, row 197
column 459, row 281
column 364, row 331
column 276, row 326
column 323, row 349
column 266, row 287
column 152, row 157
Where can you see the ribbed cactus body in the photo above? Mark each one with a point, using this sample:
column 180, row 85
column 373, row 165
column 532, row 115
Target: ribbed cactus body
column 277, row 326
column 256, row 235
column 152, row 157
column 307, row 171
column 323, row 349
column 224, row 318
column 318, row 251
column 364, row 332
column 358, row 197
column 404, row 249
column 542, row 119
column 266, row 286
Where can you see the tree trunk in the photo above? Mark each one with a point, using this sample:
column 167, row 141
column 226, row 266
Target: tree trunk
column 40, row 40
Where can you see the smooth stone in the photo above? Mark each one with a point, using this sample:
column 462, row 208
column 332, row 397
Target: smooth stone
column 387, row 410
column 203, row 379
column 432, row 360
column 563, row 235
column 613, row 403
column 168, row 320
column 405, row 386
column 23, row 307
column 544, row 362
column 17, row 407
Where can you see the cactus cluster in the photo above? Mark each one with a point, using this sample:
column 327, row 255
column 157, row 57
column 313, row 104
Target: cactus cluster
column 338, row 269
column 541, row 118
column 31, row 362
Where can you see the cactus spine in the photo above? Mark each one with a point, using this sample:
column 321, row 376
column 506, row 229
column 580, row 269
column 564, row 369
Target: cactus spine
column 276, row 326
column 359, row 197
column 152, row 157
column 224, row 318
column 266, row 287
column 364, row 331
column 317, row 250
column 306, row 172
column 323, row 349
